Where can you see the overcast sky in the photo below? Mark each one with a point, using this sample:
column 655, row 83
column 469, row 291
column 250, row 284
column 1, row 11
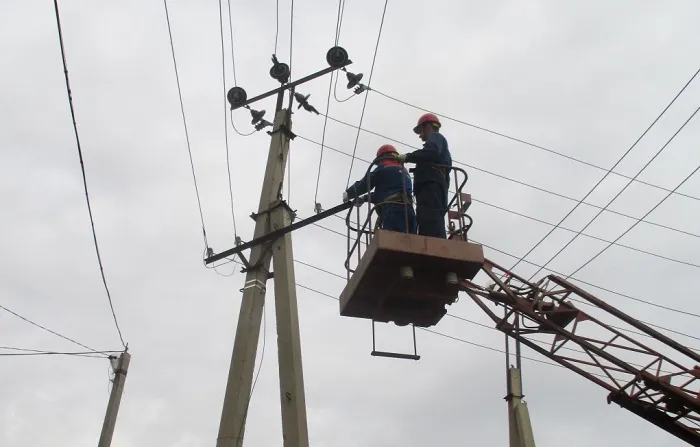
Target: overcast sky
column 583, row 79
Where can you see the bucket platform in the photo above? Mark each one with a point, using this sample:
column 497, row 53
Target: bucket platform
column 379, row 290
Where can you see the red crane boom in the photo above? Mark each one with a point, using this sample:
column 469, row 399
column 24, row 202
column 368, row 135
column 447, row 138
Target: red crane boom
column 649, row 383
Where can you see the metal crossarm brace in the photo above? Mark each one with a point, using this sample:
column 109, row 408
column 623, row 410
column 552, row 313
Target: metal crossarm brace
column 278, row 233
column 291, row 85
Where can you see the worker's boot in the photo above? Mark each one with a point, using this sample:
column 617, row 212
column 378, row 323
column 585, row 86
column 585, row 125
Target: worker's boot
column 451, row 278
column 406, row 272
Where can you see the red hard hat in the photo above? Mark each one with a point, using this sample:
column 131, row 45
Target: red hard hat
column 385, row 149
column 426, row 118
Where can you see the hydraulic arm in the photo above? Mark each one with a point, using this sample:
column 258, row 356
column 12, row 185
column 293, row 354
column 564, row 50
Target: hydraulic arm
column 660, row 385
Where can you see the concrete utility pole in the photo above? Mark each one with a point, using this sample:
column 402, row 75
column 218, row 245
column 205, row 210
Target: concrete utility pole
column 520, row 429
column 272, row 214
column 518, row 416
column 115, row 398
column 272, row 243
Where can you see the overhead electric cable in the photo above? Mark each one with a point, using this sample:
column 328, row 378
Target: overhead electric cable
column 223, row 81
column 369, row 82
column 233, row 56
column 184, row 123
column 82, row 169
column 478, row 345
column 578, row 233
column 328, row 104
column 527, row 143
column 635, row 224
column 48, row 330
column 519, row 182
column 579, row 202
column 690, row 264
column 493, row 328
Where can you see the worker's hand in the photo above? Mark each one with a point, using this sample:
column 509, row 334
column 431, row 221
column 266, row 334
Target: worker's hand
column 401, row 158
column 345, row 197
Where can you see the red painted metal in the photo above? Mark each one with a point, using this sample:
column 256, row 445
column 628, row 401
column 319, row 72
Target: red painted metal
column 660, row 384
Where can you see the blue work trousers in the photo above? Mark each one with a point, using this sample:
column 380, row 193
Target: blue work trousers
column 392, row 217
column 431, row 207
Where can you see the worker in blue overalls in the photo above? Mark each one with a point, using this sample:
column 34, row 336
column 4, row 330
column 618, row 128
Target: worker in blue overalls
column 431, row 182
column 392, row 195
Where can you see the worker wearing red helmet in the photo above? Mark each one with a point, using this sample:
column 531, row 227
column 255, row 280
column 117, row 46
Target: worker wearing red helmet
column 390, row 188
column 430, row 182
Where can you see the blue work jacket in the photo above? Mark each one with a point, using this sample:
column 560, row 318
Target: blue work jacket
column 386, row 182
column 435, row 151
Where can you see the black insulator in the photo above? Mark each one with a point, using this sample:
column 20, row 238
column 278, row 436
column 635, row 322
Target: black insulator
column 353, row 79
column 257, row 115
column 236, row 96
column 279, row 71
column 301, row 99
column 337, row 57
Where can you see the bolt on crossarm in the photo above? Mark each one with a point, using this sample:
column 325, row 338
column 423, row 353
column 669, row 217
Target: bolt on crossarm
column 661, row 387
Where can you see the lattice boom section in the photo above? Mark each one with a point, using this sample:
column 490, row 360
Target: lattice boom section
column 660, row 384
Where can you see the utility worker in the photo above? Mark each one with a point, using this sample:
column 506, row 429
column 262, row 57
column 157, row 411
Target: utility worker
column 431, row 182
column 392, row 193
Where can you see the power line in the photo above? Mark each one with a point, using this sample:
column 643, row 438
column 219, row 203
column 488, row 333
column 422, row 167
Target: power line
column 277, row 24
column 635, row 224
column 323, row 139
column 608, row 172
column 291, row 47
column 75, row 354
column 519, row 182
column 184, row 123
column 338, row 27
column 536, row 341
column 48, row 330
column 291, row 40
column 82, row 169
column 233, row 57
column 369, row 82
column 339, row 21
column 328, row 103
column 527, row 143
column 35, row 352
column 478, row 345
column 690, row 264
column 578, row 233
column 629, row 297
column 223, row 79
column 525, row 216
column 328, row 272
column 622, row 295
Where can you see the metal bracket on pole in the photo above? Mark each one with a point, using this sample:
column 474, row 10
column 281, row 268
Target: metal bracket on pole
column 286, row 131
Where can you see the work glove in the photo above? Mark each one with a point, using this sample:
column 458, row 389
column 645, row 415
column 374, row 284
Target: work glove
column 345, row 197
column 401, row 158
